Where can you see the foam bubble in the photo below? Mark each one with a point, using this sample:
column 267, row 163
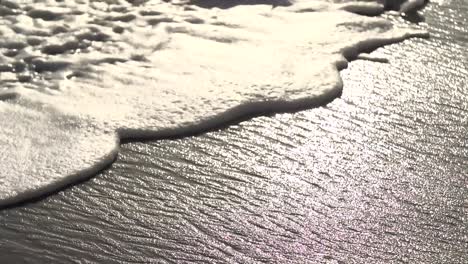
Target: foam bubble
column 77, row 77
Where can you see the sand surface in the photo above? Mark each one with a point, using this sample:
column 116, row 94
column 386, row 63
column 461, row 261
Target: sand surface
column 379, row 175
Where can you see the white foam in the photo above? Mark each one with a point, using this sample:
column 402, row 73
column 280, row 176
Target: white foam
column 82, row 75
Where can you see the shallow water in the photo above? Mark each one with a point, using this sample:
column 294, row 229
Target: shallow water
column 377, row 176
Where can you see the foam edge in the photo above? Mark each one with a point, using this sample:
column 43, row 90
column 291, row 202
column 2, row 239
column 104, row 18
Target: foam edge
column 240, row 112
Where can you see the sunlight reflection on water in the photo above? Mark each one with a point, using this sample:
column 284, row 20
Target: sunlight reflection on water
column 376, row 176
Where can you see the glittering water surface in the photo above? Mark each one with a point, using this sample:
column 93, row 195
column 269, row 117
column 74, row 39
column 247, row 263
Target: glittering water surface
column 377, row 176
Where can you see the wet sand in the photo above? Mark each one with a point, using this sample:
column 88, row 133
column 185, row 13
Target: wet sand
column 379, row 175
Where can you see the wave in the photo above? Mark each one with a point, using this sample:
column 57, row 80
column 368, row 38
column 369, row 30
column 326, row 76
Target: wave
column 77, row 77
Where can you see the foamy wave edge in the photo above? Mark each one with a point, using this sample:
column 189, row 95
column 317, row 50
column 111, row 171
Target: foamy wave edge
column 249, row 109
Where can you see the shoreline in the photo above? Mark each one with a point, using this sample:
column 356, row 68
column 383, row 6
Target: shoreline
column 230, row 116
column 377, row 175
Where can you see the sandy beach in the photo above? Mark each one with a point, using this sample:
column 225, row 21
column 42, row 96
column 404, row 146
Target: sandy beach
column 378, row 175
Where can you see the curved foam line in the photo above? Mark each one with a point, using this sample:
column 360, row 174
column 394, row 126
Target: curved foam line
column 57, row 138
column 250, row 109
column 67, row 180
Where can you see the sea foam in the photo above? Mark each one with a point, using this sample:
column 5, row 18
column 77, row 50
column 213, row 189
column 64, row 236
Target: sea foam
column 78, row 76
